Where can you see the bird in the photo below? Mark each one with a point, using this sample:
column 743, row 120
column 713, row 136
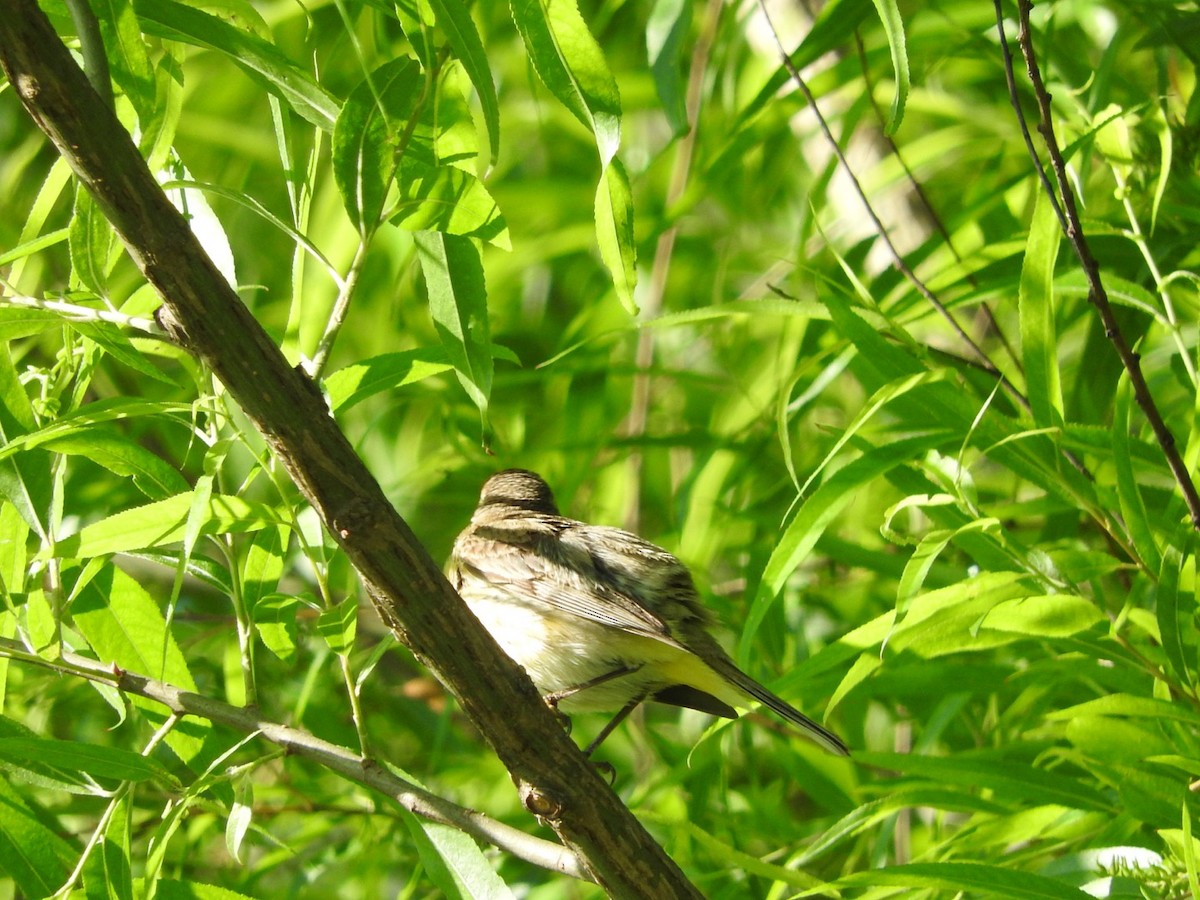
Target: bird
column 599, row 618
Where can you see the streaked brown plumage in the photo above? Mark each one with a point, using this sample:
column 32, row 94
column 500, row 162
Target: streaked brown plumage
column 598, row 617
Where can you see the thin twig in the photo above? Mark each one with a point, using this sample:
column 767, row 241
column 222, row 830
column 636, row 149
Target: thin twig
column 1097, row 295
column 341, row 308
column 927, row 204
column 880, row 229
column 361, row 770
column 77, row 313
column 1015, row 99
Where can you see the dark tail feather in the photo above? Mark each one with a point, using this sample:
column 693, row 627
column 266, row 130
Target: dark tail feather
column 782, row 708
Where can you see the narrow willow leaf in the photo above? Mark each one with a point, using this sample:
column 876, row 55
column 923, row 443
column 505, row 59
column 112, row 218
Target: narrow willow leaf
column 164, row 522
column 74, row 756
column 1044, row 616
column 974, row 878
column 107, row 874
column 454, row 18
column 893, row 27
column 128, row 60
column 262, row 61
column 153, row 476
column 614, row 231
column 1039, row 338
column 241, row 814
column 114, row 343
column 1014, row 782
column 25, row 479
column 455, row 863
column 572, row 65
column 90, row 239
column 666, row 29
column 1175, row 605
column 368, row 134
column 31, row 854
column 1129, row 495
column 458, row 304
column 358, row 381
column 1129, row 705
column 124, row 625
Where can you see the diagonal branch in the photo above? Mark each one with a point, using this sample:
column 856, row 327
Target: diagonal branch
column 1097, row 295
column 365, row 771
column 202, row 313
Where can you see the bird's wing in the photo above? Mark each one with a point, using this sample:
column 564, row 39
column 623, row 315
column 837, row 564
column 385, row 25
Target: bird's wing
column 570, row 570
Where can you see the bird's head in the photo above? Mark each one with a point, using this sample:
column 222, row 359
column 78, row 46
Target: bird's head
column 521, row 488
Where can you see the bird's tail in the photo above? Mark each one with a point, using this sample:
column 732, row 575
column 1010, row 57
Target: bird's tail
column 747, row 685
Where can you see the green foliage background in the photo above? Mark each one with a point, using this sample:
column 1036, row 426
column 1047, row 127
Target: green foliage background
column 994, row 605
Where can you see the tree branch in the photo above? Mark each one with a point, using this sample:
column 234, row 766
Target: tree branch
column 1097, row 295
column 203, row 314
column 365, row 771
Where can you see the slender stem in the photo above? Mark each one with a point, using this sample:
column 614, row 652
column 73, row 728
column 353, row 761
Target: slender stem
column 84, row 313
column 882, row 231
column 367, row 772
column 1097, row 295
column 341, row 308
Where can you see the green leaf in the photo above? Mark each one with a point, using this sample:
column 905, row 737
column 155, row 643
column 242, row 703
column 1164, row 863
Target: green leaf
column 1175, row 604
column 1046, row 616
column 90, row 240
column 447, row 199
column 454, row 862
column 106, row 874
column 164, row 522
column 956, row 877
column 454, row 18
column 358, row 381
column 260, row 60
column 110, row 338
column 614, row 231
column 893, row 27
column 339, row 624
column 127, row 57
column 1131, row 706
column 106, row 447
column 25, row 479
column 31, row 854
column 241, row 814
column 458, row 304
column 1039, row 339
column 1129, row 495
column 369, row 134
column 1014, row 782
column 73, row 756
column 264, row 565
column 572, row 65
column 275, row 618
column 666, row 29
column 124, row 625
column 18, row 322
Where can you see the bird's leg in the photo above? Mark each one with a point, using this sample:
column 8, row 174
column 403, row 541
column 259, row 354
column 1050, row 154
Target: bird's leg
column 554, row 698
column 616, row 720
